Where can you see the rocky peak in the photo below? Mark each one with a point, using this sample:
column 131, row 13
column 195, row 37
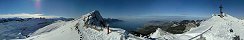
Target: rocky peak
column 94, row 19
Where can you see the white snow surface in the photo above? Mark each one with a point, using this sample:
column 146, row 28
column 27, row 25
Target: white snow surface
column 48, row 28
column 217, row 28
column 160, row 34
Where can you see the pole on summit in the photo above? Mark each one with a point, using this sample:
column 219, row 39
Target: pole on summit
column 108, row 28
column 220, row 9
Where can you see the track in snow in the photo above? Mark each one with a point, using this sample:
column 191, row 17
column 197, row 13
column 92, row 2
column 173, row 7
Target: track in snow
column 201, row 33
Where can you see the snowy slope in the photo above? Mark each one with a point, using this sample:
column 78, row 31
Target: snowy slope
column 75, row 30
column 161, row 35
column 21, row 27
column 48, row 28
column 65, row 32
column 215, row 28
column 221, row 30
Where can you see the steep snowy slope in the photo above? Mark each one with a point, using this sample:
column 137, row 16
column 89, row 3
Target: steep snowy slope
column 48, row 28
column 65, row 32
column 20, row 28
column 215, row 28
column 222, row 29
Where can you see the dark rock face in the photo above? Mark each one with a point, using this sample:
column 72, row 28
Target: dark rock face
column 94, row 19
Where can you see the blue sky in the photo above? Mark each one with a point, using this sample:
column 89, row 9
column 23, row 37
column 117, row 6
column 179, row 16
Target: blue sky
column 123, row 8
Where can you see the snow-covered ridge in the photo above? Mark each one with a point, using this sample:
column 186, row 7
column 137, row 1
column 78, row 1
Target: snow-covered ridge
column 81, row 29
column 48, row 28
column 93, row 19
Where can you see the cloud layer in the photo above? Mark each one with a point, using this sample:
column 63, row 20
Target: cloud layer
column 26, row 15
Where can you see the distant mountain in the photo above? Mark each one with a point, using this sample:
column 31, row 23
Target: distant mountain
column 112, row 20
column 174, row 27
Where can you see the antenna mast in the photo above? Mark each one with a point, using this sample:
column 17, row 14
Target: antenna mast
column 221, row 8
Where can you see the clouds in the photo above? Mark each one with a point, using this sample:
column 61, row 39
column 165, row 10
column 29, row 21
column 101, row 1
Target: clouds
column 26, row 15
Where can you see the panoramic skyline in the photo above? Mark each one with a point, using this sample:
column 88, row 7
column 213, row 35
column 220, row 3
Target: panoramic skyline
column 121, row 8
